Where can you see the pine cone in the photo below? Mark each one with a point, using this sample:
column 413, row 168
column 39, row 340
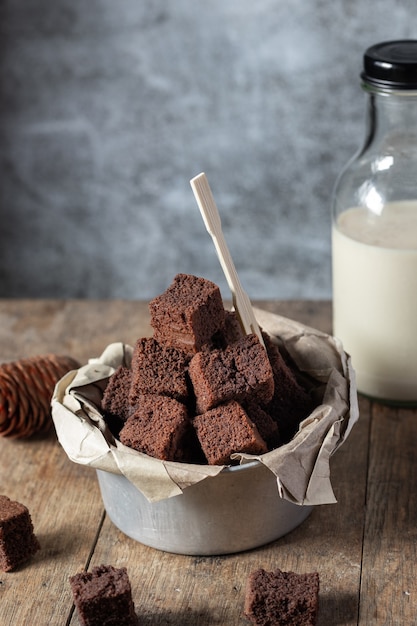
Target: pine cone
column 26, row 388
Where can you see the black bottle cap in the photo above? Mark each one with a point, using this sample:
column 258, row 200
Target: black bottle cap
column 391, row 65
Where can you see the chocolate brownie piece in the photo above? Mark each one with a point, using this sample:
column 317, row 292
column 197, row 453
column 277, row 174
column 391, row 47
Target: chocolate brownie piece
column 282, row 598
column 233, row 331
column 227, row 429
column 157, row 427
column 158, row 370
column 103, row 597
column 18, row 542
column 267, row 427
column 188, row 313
column 230, row 333
column 290, row 403
column 115, row 401
column 242, row 372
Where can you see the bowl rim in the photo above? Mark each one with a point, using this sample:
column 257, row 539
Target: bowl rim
column 241, row 466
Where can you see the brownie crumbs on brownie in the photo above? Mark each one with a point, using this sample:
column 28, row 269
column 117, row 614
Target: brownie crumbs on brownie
column 227, row 429
column 103, row 597
column 159, row 370
column 188, row 313
column 157, row 427
column 18, row 542
column 282, row 598
column 242, row 372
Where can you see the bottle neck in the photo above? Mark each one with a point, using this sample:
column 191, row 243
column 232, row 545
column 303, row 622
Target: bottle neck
column 391, row 119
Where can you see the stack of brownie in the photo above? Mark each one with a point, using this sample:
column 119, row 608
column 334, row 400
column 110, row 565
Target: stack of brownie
column 200, row 389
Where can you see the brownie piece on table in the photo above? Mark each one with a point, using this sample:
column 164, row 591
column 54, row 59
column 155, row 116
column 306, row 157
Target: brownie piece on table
column 103, row 597
column 282, row 598
column 158, row 369
column 18, row 542
column 227, row 429
column 188, row 313
column 157, row 427
column 242, row 372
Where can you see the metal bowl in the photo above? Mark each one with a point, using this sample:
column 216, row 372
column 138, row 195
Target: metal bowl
column 236, row 510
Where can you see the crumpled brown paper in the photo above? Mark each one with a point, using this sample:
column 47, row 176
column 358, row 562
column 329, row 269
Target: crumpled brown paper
column 300, row 466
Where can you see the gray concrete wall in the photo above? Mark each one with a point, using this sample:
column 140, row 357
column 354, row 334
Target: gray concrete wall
column 107, row 109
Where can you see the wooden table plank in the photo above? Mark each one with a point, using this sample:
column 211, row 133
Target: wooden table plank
column 79, row 328
column 389, row 586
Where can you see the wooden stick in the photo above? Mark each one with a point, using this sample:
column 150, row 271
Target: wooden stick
column 212, row 221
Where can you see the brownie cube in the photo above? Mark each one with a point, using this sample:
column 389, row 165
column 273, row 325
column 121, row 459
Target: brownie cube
column 157, row 427
column 282, row 598
column 290, row 403
column 104, row 597
column 18, row 542
column 227, row 429
column 231, row 332
column 158, row 369
column 115, row 401
column 188, row 313
column 267, row 427
column 242, row 372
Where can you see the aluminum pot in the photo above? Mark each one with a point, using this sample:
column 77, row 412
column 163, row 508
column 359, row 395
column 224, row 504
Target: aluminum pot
column 236, row 510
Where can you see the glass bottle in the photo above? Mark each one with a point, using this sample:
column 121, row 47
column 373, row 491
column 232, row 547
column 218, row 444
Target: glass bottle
column 374, row 232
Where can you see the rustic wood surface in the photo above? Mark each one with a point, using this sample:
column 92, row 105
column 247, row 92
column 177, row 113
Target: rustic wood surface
column 364, row 547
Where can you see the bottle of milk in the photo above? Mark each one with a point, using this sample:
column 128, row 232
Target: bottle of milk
column 374, row 232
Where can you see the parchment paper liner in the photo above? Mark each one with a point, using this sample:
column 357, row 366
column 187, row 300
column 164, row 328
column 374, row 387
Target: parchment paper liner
column 301, row 466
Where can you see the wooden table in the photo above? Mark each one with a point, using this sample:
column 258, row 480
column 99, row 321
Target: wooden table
column 364, row 547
